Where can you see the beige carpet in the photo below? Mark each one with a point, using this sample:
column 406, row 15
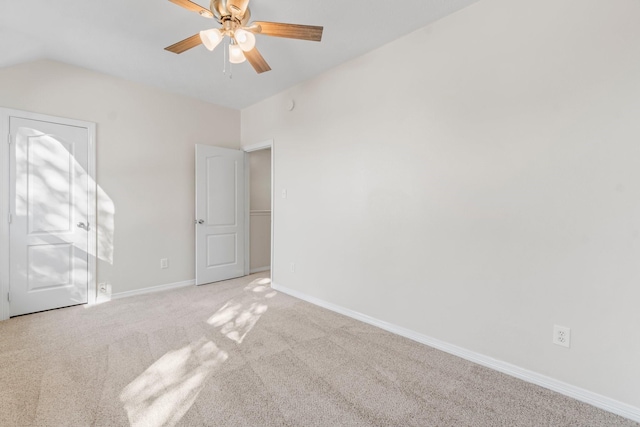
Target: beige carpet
column 238, row 353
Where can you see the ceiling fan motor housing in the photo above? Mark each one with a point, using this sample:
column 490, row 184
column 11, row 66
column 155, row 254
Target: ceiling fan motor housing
column 237, row 10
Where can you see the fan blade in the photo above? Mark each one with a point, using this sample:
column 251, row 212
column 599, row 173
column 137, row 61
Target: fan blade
column 185, row 44
column 289, row 31
column 189, row 5
column 257, row 61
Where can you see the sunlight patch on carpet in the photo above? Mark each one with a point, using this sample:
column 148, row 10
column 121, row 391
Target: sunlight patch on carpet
column 239, row 315
column 166, row 390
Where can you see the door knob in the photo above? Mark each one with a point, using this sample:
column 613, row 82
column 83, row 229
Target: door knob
column 199, row 221
column 83, row 225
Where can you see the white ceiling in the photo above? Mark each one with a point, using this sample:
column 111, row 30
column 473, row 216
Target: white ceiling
column 126, row 38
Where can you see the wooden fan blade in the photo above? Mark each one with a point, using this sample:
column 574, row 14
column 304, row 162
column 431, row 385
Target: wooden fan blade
column 289, row 31
column 189, row 5
column 185, row 44
column 257, row 61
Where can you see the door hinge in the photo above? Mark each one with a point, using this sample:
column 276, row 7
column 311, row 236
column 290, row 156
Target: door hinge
column 9, row 296
column 10, row 218
column 9, row 139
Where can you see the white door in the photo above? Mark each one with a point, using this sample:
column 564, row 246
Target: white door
column 220, row 227
column 48, row 204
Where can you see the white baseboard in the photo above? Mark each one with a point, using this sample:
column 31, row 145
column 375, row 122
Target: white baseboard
column 597, row 400
column 152, row 289
column 259, row 269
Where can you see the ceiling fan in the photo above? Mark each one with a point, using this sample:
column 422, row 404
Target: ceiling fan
column 234, row 16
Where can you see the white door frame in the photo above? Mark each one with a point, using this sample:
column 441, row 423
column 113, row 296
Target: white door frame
column 5, row 115
column 249, row 149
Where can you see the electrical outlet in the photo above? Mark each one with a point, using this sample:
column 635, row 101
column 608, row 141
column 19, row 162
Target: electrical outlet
column 164, row 263
column 562, row 336
column 103, row 288
column 293, row 267
column 284, row 193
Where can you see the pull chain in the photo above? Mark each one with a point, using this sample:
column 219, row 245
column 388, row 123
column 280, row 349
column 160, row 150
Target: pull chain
column 225, row 46
column 224, row 56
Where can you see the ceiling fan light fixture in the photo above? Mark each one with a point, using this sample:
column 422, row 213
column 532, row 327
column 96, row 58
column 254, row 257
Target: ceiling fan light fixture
column 211, row 38
column 236, row 55
column 235, row 18
column 245, row 39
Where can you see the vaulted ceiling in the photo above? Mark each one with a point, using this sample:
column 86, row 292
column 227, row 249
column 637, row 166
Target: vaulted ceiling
column 126, row 38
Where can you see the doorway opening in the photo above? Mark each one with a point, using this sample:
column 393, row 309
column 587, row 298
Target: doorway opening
column 259, row 210
column 260, row 204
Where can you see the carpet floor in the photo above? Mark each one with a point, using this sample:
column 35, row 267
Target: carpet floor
column 237, row 353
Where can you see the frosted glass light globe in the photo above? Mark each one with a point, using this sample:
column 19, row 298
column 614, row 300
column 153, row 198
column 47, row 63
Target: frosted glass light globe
column 246, row 40
column 211, row 38
column 236, row 55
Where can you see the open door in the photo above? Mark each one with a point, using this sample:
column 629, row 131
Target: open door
column 220, row 211
column 49, row 211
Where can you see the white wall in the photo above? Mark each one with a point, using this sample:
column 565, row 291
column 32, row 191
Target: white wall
column 145, row 158
column 477, row 181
